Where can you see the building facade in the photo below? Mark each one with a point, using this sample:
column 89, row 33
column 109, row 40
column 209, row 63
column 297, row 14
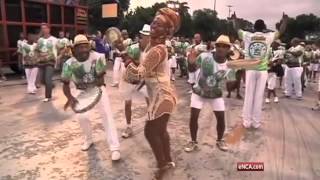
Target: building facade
column 26, row 16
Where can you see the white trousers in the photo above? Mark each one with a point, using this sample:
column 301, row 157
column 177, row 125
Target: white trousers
column 272, row 81
column 105, row 112
column 285, row 69
column 117, row 70
column 253, row 100
column 31, row 75
column 192, row 77
column 293, row 81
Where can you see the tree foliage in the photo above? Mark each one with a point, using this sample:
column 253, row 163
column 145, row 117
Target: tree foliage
column 204, row 21
column 300, row 26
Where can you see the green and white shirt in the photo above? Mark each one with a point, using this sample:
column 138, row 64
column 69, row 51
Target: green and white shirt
column 210, row 76
column 316, row 56
column 258, row 46
column 84, row 72
column 28, row 54
column 63, row 42
column 47, row 47
column 19, row 45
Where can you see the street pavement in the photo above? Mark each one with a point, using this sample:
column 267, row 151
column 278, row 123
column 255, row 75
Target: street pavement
column 42, row 141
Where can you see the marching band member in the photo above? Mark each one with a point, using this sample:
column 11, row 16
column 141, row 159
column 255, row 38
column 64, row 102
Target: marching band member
column 86, row 69
column 172, row 60
column 46, row 50
column 257, row 46
column 20, row 42
column 231, row 85
column 29, row 62
column 118, row 61
column 308, row 57
column 294, row 70
column 64, row 49
column 314, row 66
column 198, row 47
column 277, row 58
column 208, row 89
column 135, row 53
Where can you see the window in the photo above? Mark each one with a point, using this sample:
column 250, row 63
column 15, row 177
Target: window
column 33, row 29
column 56, row 1
column 0, row 13
column 55, row 14
column 55, row 31
column 36, row 12
column 13, row 10
column 68, row 15
column 2, row 40
column 71, row 32
column 83, row 2
column 14, row 31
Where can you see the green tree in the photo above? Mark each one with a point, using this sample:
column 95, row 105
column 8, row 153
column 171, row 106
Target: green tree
column 301, row 26
column 135, row 20
column 186, row 20
column 205, row 22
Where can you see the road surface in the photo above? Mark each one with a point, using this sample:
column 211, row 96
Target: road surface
column 40, row 141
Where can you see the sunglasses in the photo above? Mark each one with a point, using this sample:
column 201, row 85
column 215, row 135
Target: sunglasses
column 222, row 46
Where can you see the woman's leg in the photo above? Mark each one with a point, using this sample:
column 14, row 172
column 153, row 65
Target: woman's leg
column 165, row 138
column 152, row 134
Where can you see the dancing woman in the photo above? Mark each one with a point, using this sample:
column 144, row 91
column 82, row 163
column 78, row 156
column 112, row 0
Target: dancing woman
column 153, row 69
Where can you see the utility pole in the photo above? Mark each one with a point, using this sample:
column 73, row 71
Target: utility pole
column 214, row 7
column 229, row 6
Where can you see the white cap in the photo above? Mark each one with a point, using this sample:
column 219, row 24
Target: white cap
column 145, row 30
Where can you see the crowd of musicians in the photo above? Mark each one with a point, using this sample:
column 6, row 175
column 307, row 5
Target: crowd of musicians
column 150, row 63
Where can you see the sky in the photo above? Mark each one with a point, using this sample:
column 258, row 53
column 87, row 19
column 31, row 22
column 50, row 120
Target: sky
column 268, row 10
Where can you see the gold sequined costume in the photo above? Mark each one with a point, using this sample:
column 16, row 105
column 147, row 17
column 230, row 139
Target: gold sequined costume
column 154, row 70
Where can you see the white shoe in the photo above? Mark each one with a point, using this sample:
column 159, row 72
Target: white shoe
column 46, row 100
column 86, row 145
column 267, row 100
column 276, row 99
column 300, row 98
column 31, row 92
column 115, row 155
column 256, row 126
column 127, row 132
column 115, row 85
column 246, row 125
column 190, row 92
